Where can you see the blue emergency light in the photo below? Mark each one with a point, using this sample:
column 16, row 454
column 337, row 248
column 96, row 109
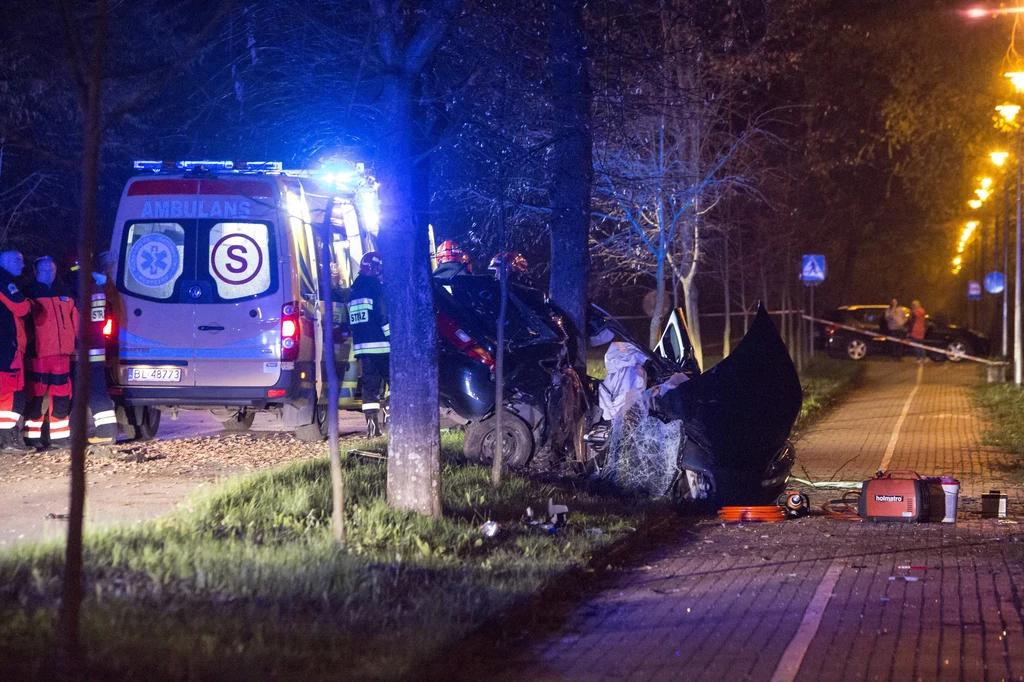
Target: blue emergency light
column 249, row 166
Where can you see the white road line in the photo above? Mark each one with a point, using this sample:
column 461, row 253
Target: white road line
column 887, row 457
column 789, row 664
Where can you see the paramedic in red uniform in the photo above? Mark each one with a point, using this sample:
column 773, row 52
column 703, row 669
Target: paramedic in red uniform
column 368, row 320
column 54, row 323
column 12, row 351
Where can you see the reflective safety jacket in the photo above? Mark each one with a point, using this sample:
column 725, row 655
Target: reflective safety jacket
column 54, row 320
column 12, row 326
column 95, row 341
column 368, row 317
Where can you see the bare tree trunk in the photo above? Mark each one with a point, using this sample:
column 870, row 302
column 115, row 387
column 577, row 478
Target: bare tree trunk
column 573, row 168
column 407, row 41
column 327, row 297
column 743, row 285
column 499, row 365
column 727, row 334
column 414, row 441
column 654, row 331
column 69, row 654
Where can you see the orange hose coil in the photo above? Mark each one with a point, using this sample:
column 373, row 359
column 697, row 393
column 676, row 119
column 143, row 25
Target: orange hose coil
column 768, row 513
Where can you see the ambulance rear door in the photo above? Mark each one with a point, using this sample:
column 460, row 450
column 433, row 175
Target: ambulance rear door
column 239, row 294
column 155, row 316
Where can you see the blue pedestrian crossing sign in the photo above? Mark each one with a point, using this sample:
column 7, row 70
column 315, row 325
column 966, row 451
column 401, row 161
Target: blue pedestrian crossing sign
column 813, row 269
column 973, row 290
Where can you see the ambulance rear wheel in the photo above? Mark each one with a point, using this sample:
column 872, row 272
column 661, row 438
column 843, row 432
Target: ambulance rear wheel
column 317, row 431
column 240, row 421
column 138, row 423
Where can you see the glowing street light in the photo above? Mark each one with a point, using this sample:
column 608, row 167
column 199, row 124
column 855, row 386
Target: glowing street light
column 1008, row 111
column 974, row 203
column 999, row 158
column 986, row 183
column 1017, row 78
column 983, row 194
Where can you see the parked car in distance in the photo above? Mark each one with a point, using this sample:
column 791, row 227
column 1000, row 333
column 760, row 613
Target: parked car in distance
column 950, row 341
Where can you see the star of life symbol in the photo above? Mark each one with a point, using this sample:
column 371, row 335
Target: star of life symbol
column 153, row 260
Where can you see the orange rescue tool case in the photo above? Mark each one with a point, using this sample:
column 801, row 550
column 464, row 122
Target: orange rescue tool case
column 888, row 498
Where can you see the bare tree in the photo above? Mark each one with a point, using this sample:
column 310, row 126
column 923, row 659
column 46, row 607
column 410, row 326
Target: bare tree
column 572, row 167
column 407, row 39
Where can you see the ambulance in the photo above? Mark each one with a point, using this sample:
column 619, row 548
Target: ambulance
column 219, row 302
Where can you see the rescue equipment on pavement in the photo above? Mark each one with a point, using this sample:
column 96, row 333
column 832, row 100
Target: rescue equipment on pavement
column 894, row 495
column 795, row 503
column 768, row 513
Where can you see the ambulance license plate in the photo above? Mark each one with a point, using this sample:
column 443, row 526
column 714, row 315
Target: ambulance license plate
column 154, row 374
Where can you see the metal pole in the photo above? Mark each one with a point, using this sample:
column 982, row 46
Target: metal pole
column 1006, row 262
column 1018, row 356
column 810, row 325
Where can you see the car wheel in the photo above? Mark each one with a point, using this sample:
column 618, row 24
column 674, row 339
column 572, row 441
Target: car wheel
column 317, row 431
column 517, row 445
column 148, row 424
column 856, row 349
column 957, row 349
column 240, row 421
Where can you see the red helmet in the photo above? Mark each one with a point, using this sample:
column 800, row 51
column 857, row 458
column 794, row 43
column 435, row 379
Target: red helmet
column 449, row 252
column 513, row 260
column 371, row 264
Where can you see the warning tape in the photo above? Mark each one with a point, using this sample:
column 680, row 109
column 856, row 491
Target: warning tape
column 904, row 342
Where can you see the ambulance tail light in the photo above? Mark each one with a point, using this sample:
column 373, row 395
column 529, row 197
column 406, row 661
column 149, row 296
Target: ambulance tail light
column 108, row 328
column 451, row 332
column 291, row 332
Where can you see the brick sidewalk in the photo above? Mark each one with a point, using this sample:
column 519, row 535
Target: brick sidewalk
column 722, row 602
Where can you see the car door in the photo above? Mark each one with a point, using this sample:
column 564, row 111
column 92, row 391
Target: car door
column 238, row 303
column 675, row 345
column 156, row 335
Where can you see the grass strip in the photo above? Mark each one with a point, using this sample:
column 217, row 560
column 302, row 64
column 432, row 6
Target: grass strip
column 1004, row 406
column 245, row 583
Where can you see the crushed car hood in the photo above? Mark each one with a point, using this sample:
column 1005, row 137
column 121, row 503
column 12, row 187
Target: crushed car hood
column 742, row 410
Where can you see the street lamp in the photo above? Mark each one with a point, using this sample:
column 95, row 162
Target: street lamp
column 1009, row 113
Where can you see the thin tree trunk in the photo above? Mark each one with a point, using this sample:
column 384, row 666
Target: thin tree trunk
column 727, row 334
column 654, row 330
column 499, row 365
column 69, row 653
column 572, row 172
column 743, row 285
column 326, row 295
column 414, row 448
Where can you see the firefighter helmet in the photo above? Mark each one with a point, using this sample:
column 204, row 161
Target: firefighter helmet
column 371, row 264
column 449, row 252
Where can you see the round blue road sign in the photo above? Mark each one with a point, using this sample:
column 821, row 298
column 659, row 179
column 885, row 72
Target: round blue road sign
column 995, row 282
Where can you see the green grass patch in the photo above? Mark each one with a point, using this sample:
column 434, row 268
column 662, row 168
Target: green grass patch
column 1004, row 405
column 245, row 582
column 824, row 381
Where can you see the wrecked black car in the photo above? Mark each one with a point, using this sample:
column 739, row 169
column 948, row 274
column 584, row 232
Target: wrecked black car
column 732, row 423
column 544, row 404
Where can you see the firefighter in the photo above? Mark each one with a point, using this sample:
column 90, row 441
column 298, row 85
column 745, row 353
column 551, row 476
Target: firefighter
column 12, row 351
column 517, row 269
column 451, row 261
column 95, row 349
column 54, row 325
column 368, row 320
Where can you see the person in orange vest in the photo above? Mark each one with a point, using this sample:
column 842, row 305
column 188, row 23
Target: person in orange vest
column 918, row 328
column 55, row 324
column 12, row 351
